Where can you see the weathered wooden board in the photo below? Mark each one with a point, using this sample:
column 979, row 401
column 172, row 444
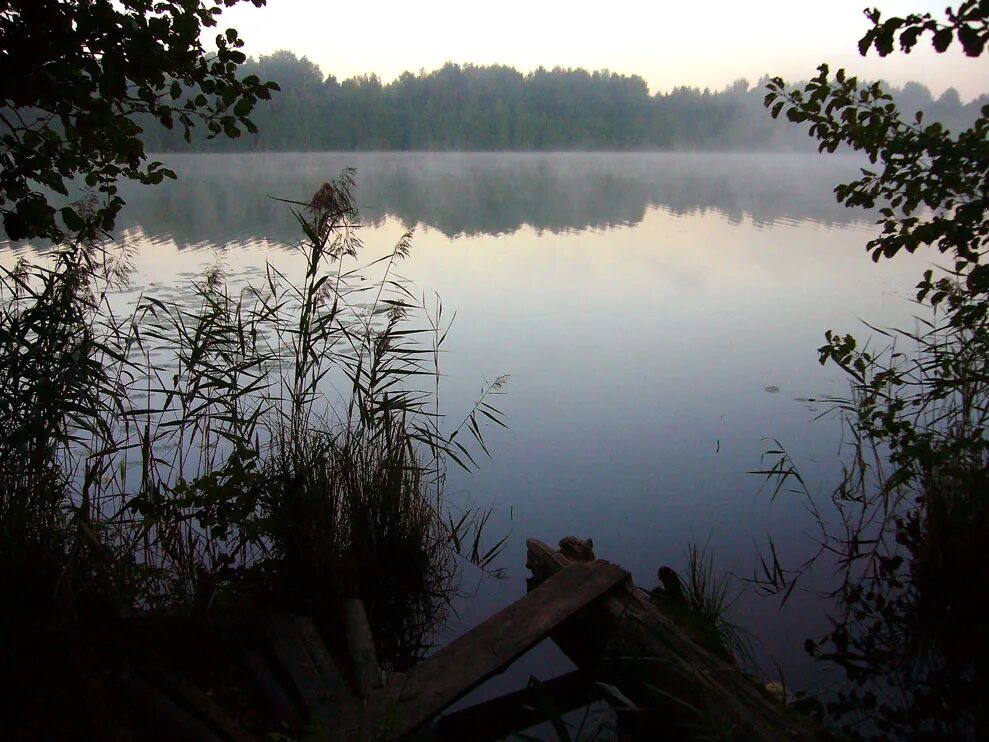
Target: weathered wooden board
column 195, row 701
column 409, row 701
column 322, row 662
column 360, row 647
column 271, row 690
column 159, row 712
column 709, row 690
column 304, row 658
column 499, row 717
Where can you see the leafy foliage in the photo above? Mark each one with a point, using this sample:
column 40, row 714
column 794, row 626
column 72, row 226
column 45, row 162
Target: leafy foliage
column 968, row 24
column 76, row 78
column 190, row 452
column 909, row 541
column 933, row 187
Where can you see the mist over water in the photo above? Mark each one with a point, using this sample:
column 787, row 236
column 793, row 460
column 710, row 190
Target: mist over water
column 659, row 315
column 220, row 199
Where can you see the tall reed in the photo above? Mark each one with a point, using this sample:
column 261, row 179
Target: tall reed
column 285, row 436
column 906, row 532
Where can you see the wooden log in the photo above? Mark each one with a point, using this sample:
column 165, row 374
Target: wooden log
column 163, row 718
column 702, row 689
column 500, row 717
column 360, row 647
column 101, row 719
column 314, row 683
column 322, row 661
column 271, row 691
column 413, row 699
column 194, row 700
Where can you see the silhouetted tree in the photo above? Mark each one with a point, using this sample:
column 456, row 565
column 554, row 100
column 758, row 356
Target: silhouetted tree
column 78, row 80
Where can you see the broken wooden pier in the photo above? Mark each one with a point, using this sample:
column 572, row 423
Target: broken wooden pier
column 615, row 633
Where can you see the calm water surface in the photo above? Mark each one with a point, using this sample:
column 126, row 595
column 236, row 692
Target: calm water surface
column 658, row 314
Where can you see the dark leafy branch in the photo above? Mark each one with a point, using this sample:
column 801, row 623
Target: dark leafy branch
column 933, row 187
column 909, row 521
column 968, row 24
column 75, row 79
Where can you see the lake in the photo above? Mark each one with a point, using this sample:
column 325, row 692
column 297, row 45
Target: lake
column 659, row 316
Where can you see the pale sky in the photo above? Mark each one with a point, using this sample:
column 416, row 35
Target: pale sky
column 702, row 43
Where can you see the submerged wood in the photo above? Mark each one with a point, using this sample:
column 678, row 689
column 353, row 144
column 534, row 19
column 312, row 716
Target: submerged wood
column 410, row 700
column 625, row 629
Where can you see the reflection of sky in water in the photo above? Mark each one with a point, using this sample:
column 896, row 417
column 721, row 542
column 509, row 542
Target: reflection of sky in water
column 640, row 354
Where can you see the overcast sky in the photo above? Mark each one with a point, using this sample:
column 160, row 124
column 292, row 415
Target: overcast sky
column 703, row 43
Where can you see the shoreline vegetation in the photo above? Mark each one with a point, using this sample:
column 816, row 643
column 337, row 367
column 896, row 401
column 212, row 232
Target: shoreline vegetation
column 178, row 485
column 183, row 468
column 497, row 108
column 171, row 477
column 906, row 529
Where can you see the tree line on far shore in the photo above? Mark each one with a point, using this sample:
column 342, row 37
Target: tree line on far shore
column 493, row 108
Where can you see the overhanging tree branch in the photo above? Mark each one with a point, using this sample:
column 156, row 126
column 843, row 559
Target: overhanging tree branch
column 96, row 68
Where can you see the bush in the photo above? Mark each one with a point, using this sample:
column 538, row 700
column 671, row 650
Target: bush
column 910, row 517
column 189, row 453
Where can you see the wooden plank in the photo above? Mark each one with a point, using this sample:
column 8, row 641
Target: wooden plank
column 322, row 662
column 500, row 717
column 193, row 699
column 162, row 715
column 271, row 690
column 291, row 652
column 704, row 689
column 360, row 647
column 105, row 720
column 409, row 701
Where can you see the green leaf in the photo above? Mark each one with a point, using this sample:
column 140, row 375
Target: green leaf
column 942, row 39
column 971, row 41
column 72, row 220
column 243, row 107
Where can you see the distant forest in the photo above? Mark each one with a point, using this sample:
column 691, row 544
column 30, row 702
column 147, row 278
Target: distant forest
column 493, row 108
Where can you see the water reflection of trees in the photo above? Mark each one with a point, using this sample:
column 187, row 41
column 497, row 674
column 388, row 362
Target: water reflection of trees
column 224, row 198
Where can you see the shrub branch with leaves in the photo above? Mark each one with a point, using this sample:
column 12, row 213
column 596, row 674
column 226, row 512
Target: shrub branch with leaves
column 79, row 79
column 911, row 517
